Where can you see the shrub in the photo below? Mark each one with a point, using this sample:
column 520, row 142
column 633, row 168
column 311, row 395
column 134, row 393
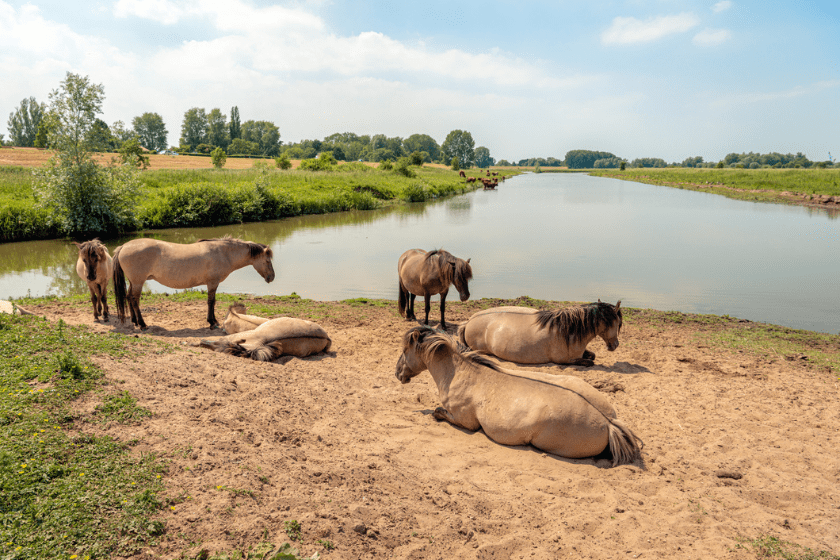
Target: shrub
column 132, row 153
column 218, row 157
column 456, row 165
column 386, row 164
column 282, row 162
column 204, row 148
column 417, row 158
column 403, row 167
column 324, row 162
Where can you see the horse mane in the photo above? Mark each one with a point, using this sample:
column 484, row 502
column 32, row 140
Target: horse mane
column 579, row 321
column 434, row 341
column 91, row 250
column 452, row 268
column 254, row 249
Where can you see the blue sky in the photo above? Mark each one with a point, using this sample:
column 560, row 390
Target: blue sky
column 668, row 79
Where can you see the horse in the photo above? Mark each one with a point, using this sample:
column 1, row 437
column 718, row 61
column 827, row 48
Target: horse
column 272, row 339
column 462, row 175
column 530, row 336
column 426, row 274
column 470, row 179
column 237, row 321
column 175, row 265
column 94, row 266
column 560, row 414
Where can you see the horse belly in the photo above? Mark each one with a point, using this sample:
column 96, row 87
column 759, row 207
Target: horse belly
column 302, row 347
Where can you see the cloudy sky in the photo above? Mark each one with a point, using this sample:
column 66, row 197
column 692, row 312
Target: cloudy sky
column 666, row 78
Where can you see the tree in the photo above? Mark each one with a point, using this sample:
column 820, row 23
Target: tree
column 99, row 137
column 218, row 157
column 482, row 157
column 80, row 196
column 263, row 133
column 23, row 122
column 235, row 127
column 240, row 146
column 585, row 159
column 121, row 134
column 422, row 143
column 131, row 153
column 459, row 144
column 455, row 164
column 194, row 127
column 218, row 134
column 151, row 131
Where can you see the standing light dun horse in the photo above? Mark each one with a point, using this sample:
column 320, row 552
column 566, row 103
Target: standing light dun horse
column 426, row 274
column 530, row 336
column 560, row 414
column 94, row 266
column 175, row 265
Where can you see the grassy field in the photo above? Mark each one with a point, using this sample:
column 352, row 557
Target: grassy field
column 745, row 184
column 209, row 197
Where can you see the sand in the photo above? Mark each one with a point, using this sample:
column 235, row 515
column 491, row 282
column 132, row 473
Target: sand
column 736, row 446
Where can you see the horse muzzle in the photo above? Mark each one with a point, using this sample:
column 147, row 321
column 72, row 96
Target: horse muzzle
column 465, row 296
column 612, row 345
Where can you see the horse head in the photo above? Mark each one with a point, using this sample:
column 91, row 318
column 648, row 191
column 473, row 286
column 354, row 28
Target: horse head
column 611, row 320
column 461, row 277
column 91, row 252
column 411, row 363
column 262, row 262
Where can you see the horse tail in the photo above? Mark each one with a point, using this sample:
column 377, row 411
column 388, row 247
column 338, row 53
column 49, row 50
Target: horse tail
column 625, row 446
column 403, row 299
column 328, row 346
column 265, row 353
column 119, row 285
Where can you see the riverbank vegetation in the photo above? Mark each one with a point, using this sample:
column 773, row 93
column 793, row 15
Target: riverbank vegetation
column 745, row 184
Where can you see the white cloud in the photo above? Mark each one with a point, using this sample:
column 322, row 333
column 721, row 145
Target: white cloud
column 629, row 30
column 226, row 15
column 162, row 11
column 711, row 37
column 769, row 96
column 721, row 6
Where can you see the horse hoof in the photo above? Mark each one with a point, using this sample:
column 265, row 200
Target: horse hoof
column 439, row 413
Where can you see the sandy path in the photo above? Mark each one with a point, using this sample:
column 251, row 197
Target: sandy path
column 335, row 442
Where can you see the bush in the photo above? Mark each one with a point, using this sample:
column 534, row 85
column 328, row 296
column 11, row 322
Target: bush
column 386, row 164
column 323, row 162
column 417, row 158
column 403, row 167
column 456, row 165
column 204, row 148
column 218, row 157
column 282, row 162
column 132, row 153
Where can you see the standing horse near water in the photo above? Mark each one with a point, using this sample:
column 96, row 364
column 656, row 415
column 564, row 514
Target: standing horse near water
column 94, row 266
column 530, row 336
column 180, row 266
column 426, row 274
column 561, row 414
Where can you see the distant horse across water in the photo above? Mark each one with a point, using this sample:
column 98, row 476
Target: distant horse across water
column 180, row 266
column 425, row 274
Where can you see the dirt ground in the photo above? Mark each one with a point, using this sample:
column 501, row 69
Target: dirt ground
column 736, row 447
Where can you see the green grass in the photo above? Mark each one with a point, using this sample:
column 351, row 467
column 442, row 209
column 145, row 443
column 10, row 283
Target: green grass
column 62, row 495
column 772, row 547
column 723, row 181
column 210, row 197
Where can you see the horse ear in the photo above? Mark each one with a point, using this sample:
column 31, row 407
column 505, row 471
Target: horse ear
column 468, row 260
column 617, row 305
column 599, row 300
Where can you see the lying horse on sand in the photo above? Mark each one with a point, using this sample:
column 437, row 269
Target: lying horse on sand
column 272, row 339
column 426, row 274
column 560, row 414
column 176, row 265
column 237, row 321
column 95, row 266
column 530, row 336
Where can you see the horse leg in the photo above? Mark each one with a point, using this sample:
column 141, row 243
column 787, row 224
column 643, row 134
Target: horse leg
column 585, row 362
column 103, row 297
column 134, row 305
column 94, row 299
column 211, row 306
column 443, row 311
column 441, row 413
column 587, row 355
column 428, row 298
column 409, row 314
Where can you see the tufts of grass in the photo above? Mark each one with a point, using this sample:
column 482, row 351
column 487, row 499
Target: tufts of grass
column 62, row 495
column 121, row 408
column 772, row 547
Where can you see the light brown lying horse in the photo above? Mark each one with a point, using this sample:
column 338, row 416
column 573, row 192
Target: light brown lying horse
column 559, row 414
column 95, row 266
column 273, row 338
column 175, row 265
column 237, row 321
column 426, row 274
column 529, row 336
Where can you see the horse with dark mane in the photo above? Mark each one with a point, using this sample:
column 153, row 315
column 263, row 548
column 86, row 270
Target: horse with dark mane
column 94, row 266
column 180, row 266
column 530, row 336
column 425, row 274
column 560, row 414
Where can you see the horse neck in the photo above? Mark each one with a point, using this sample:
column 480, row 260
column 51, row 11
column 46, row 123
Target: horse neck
column 242, row 257
column 444, row 368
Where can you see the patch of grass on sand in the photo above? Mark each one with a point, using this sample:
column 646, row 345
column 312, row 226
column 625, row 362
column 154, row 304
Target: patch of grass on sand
column 772, row 547
column 64, row 494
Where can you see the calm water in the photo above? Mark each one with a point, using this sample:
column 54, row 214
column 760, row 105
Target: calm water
column 550, row 236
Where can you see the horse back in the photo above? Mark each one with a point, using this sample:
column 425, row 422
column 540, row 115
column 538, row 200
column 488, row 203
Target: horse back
column 419, row 275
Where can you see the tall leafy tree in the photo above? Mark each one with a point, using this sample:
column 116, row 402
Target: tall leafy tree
column 265, row 134
column 482, row 157
column 151, row 131
column 422, row 143
column 585, row 159
column 218, row 134
column 81, row 196
column 121, row 134
column 23, row 122
column 459, row 144
column 99, row 137
column 194, row 127
column 235, row 124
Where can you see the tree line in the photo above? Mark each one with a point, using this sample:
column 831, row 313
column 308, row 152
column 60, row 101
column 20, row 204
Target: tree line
column 589, row 159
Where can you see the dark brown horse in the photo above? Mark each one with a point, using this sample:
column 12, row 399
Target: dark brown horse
column 462, row 175
column 175, row 265
column 426, row 274
column 94, row 267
